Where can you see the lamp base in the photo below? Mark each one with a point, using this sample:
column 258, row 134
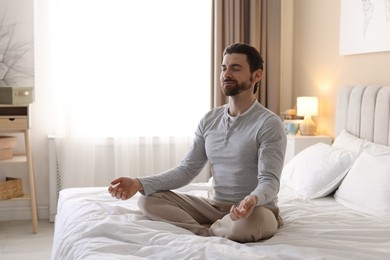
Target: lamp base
column 307, row 127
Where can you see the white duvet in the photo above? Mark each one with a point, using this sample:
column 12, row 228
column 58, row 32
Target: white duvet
column 90, row 224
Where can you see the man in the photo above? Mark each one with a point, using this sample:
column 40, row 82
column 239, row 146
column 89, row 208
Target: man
column 245, row 144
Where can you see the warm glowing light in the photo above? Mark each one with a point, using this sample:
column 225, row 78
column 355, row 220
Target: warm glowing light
column 307, row 107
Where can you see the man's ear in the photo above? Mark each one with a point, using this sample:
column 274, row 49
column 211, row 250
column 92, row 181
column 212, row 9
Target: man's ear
column 258, row 74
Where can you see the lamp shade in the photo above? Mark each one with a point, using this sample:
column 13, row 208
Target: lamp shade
column 307, row 106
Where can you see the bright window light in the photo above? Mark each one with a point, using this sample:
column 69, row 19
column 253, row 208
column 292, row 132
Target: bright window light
column 134, row 67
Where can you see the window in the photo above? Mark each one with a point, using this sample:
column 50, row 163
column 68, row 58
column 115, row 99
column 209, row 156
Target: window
column 132, row 67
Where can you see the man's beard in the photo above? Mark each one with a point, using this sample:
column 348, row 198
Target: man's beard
column 237, row 89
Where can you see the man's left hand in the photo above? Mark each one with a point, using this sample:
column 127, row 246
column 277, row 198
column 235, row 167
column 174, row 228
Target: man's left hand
column 244, row 208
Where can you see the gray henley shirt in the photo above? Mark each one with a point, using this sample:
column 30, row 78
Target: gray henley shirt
column 246, row 156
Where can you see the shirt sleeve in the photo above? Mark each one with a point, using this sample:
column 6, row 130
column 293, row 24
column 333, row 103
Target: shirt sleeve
column 271, row 151
column 183, row 174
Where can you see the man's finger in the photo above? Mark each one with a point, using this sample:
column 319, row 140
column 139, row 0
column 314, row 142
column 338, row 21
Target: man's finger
column 116, row 181
column 124, row 195
column 118, row 193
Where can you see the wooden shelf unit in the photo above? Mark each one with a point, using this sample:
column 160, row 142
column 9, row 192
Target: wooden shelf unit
column 16, row 119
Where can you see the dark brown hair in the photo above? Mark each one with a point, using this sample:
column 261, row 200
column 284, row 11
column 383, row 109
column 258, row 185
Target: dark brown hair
column 253, row 57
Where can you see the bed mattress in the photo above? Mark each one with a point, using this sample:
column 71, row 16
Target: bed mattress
column 90, row 224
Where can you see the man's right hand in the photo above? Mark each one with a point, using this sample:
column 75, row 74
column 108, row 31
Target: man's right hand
column 124, row 188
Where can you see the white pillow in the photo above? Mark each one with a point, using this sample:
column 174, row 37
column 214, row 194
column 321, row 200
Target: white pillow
column 366, row 188
column 349, row 142
column 317, row 170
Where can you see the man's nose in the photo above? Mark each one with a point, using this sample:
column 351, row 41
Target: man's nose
column 227, row 74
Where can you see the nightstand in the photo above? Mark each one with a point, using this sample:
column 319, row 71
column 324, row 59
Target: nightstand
column 296, row 143
column 16, row 119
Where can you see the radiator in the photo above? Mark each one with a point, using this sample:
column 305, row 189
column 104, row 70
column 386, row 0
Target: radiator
column 54, row 178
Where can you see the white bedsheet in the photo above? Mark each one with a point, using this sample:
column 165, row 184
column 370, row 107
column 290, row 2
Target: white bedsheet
column 90, row 224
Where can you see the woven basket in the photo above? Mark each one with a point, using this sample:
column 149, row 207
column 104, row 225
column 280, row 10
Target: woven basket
column 11, row 188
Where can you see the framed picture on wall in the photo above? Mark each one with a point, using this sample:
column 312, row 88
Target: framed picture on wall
column 16, row 43
column 364, row 26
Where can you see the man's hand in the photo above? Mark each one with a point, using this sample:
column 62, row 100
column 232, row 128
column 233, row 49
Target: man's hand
column 244, row 208
column 124, row 188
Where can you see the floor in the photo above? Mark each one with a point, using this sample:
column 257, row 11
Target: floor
column 17, row 241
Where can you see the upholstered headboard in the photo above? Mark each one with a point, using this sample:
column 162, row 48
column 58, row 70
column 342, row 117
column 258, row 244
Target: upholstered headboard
column 365, row 112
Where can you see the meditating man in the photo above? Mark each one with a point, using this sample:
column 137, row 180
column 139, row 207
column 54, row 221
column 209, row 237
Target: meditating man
column 245, row 145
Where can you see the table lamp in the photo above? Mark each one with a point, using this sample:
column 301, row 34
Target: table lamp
column 307, row 107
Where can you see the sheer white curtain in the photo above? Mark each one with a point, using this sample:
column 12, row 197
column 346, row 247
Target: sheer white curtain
column 130, row 80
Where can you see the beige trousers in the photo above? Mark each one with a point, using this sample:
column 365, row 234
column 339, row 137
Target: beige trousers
column 197, row 213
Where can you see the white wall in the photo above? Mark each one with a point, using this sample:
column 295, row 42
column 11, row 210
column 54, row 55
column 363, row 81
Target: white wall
column 317, row 67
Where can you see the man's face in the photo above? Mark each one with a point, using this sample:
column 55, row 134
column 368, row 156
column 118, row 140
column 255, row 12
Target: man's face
column 235, row 74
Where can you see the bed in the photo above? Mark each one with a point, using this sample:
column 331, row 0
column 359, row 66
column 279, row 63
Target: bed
column 334, row 200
